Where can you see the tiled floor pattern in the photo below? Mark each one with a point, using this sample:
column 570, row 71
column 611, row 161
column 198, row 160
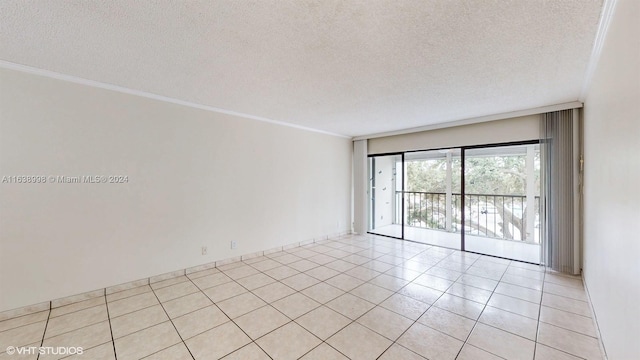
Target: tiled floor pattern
column 358, row 297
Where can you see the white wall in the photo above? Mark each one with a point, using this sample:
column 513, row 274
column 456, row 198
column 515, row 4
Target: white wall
column 196, row 178
column 611, row 194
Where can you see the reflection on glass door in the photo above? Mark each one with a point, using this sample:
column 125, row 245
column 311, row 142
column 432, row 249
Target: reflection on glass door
column 385, row 207
column 432, row 197
column 502, row 201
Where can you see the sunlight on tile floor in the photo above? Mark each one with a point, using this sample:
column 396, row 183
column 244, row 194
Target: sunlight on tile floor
column 356, row 297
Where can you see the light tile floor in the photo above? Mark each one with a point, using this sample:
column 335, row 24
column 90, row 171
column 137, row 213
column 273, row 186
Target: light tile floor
column 357, row 297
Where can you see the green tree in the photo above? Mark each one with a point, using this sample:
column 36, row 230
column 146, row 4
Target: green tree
column 485, row 176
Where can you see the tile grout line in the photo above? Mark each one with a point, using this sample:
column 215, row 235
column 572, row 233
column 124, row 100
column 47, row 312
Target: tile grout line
column 318, row 266
column 560, row 327
column 424, row 312
column 299, row 244
column 535, row 345
column 371, row 245
column 45, row 329
column 127, row 313
column 538, row 321
column 172, row 324
column 231, row 320
column 466, row 341
column 74, row 329
column 296, row 245
column 113, row 341
column 297, row 291
column 77, row 311
column 321, row 304
column 324, row 304
column 392, row 266
column 475, row 321
column 301, row 293
column 352, row 321
column 443, row 293
column 394, row 293
column 250, row 291
column 344, row 272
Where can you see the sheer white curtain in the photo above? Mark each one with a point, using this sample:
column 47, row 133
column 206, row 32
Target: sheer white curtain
column 559, row 157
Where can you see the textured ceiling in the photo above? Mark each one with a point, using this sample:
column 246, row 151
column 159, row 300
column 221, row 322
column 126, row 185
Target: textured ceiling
column 347, row 67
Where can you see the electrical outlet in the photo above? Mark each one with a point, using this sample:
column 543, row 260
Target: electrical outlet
column 204, row 250
column 234, row 244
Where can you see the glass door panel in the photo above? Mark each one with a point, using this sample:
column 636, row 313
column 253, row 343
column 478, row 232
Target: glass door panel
column 502, row 201
column 432, row 202
column 385, row 195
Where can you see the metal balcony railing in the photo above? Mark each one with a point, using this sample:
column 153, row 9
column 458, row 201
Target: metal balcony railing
column 495, row 216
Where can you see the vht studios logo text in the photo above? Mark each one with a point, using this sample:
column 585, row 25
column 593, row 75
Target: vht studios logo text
column 44, row 350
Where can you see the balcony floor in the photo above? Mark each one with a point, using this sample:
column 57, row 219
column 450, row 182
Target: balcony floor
column 510, row 249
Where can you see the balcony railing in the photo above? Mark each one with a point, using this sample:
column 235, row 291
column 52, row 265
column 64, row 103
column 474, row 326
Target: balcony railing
column 495, row 216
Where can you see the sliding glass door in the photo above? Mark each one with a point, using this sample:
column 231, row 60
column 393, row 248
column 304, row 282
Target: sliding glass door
column 502, row 201
column 483, row 199
column 432, row 197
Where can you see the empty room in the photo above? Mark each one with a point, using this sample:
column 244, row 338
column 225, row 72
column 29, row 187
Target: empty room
column 319, row 179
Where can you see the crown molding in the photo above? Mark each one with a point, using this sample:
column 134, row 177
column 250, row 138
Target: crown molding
column 97, row 84
column 608, row 9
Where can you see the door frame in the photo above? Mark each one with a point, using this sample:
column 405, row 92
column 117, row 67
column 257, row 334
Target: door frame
column 372, row 194
column 462, row 185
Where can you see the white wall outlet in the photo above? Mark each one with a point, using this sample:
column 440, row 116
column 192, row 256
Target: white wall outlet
column 204, row 250
column 234, row 244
